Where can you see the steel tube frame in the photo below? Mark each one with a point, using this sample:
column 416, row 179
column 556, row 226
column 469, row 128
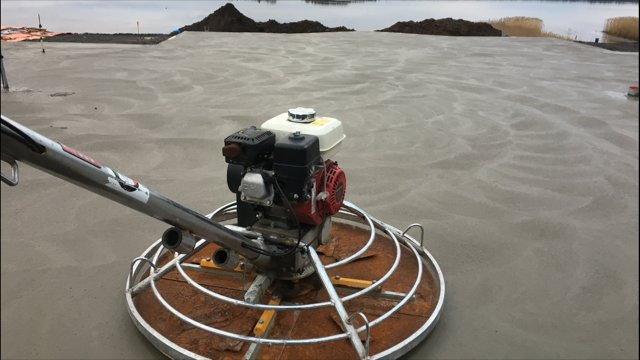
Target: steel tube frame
column 258, row 340
column 425, row 329
column 337, row 303
column 378, row 283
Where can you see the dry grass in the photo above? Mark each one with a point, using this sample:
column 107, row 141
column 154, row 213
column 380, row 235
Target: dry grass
column 524, row 26
column 624, row 27
column 519, row 26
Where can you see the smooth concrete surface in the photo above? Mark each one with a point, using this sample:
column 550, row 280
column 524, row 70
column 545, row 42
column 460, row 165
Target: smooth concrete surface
column 520, row 157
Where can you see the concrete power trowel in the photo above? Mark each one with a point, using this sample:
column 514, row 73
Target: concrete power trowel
column 289, row 270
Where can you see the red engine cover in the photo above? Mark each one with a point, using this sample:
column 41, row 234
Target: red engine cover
column 336, row 187
column 314, row 211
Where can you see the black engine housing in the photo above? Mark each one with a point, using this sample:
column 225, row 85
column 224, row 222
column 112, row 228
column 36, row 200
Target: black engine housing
column 289, row 164
column 294, row 159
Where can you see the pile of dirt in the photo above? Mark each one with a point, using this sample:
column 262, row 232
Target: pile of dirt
column 229, row 19
column 446, row 26
column 304, row 26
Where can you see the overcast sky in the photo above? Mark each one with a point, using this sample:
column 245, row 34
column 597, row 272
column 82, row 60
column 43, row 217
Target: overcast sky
column 164, row 16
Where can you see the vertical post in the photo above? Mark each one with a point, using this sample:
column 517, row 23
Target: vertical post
column 3, row 73
column 41, row 37
column 138, row 24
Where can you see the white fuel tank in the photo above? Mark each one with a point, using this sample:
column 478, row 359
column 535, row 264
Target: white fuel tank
column 304, row 120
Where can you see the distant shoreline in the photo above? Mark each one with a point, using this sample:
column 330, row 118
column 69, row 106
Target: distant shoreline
column 153, row 39
column 100, row 38
column 229, row 19
column 629, row 46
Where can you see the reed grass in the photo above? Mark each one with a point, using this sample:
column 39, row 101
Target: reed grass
column 623, row 27
column 524, row 26
column 519, row 26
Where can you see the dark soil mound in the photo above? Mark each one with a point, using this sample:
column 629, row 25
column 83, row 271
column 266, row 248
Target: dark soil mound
column 304, row 26
column 229, row 19
column 446, row 26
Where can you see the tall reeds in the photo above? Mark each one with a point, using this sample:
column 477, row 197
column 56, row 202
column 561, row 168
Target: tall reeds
column 524, row 26
column 623, row 27
column 519, row 26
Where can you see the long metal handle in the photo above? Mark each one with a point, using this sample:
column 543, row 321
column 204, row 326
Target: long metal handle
column 23, row 144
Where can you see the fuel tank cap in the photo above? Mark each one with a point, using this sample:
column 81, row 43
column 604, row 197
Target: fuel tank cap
column 301, row 115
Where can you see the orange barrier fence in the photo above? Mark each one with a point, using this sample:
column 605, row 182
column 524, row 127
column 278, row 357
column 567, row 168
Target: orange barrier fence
column 22, row 33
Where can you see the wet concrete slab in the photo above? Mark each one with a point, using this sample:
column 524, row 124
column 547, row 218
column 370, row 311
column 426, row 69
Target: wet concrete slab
column 519, row 156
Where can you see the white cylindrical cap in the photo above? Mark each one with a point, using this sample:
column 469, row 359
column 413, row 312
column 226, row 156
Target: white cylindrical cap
column 301, row 115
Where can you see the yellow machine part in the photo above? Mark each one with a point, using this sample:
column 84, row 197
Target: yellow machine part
column 349, row 282
column 265, row 320
column 208, row 263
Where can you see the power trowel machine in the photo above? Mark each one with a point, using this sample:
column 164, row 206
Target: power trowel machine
column 289, row 266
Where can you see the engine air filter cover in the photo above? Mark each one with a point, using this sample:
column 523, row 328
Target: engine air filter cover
column 248, row 146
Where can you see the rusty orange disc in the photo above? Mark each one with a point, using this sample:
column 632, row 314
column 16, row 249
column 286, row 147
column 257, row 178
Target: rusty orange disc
column 394, row 286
